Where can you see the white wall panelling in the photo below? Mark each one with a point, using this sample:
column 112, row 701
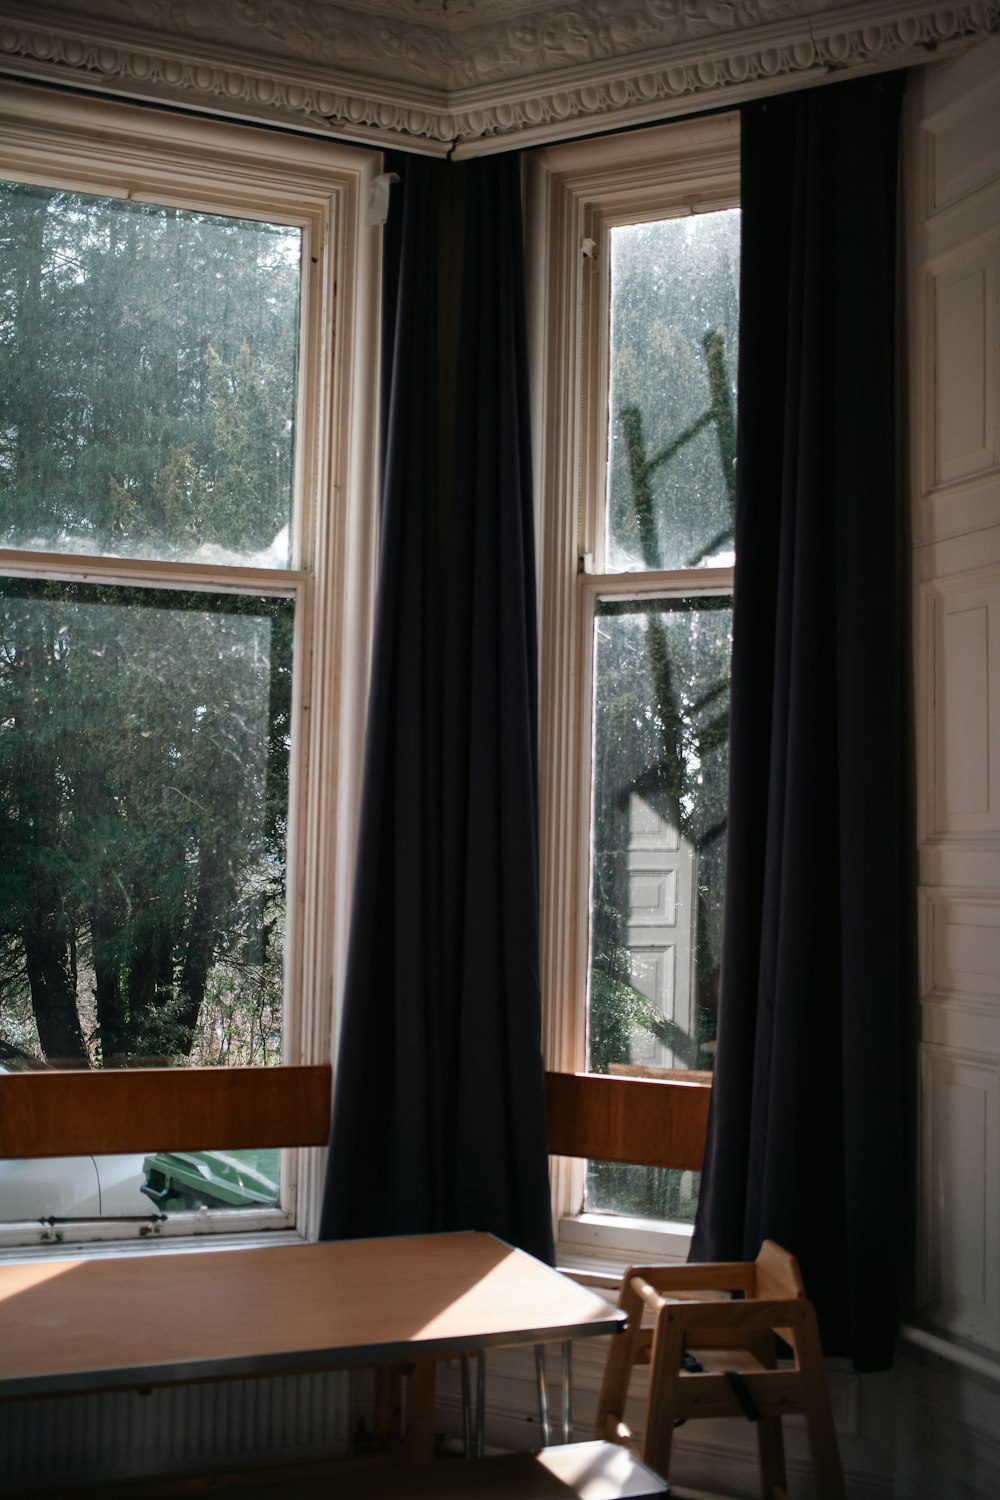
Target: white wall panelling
column 960, row 1109
column 965, row 286
column 947, row 1428
column 965, row 947
column 946, row 516
column 960, row 156
column 963, row 722
column 954, row 275
column 949, row 1402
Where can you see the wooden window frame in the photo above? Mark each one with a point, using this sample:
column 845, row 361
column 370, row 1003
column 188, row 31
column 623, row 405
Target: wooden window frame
column 117, row 149
column 574, row 194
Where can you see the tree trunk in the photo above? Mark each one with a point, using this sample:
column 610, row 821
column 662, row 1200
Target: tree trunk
column 112, row 1020
column 214, row 883
column 48, row 951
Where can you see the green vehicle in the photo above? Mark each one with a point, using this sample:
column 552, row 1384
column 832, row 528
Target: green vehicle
column 179, row 1181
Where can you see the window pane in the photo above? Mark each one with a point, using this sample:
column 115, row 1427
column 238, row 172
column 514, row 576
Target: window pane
column 661, row 743
column 148, row 362
column 671, row 423
column 137, row 1186
column 143, row 810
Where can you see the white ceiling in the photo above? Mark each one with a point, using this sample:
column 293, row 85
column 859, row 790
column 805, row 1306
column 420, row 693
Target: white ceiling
column 470, row 75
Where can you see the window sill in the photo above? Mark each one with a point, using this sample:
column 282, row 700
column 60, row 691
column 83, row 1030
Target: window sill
column 180, row 1242
column 609, row 1243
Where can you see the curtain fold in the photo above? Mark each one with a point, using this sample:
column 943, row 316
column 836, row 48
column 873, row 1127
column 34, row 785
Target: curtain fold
column 438, row 1119
column 804, row 1142
column 490, row 734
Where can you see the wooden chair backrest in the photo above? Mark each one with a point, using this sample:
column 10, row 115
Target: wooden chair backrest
column 776, row 1274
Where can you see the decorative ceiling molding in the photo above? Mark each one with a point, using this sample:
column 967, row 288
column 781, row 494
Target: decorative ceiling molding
column 468, row 75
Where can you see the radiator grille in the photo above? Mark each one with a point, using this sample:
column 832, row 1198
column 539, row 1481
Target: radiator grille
column 67, row 1440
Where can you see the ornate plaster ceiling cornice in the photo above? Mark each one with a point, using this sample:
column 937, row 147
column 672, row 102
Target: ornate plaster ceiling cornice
column 468, row 75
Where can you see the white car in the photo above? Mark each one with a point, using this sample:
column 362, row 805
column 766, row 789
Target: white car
column 68, row 1187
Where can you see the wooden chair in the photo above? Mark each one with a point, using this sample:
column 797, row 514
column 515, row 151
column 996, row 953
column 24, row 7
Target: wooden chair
column 711, row 1356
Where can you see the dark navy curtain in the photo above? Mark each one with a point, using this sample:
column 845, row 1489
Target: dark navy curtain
column 804, row 1139
column 439, row 1115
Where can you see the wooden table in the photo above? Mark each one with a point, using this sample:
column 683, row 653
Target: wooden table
column 163, row 1318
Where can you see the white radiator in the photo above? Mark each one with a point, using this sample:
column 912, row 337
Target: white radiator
column 66, row 1441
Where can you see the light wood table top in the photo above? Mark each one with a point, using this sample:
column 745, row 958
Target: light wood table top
column 142, row 1320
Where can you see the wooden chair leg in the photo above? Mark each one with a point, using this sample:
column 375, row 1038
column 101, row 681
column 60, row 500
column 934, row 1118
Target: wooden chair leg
column 823, row 1447
column 661, row 1405
column 771, row 1456
column 829, row 1478
column 770, row 1437
column 622, row 1352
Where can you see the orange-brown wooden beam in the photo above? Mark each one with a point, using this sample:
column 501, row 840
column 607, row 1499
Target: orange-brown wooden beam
column 649, row 1122
column 163, row 1109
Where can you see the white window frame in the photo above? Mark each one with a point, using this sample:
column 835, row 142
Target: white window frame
column 575, row 194
column 124, row 150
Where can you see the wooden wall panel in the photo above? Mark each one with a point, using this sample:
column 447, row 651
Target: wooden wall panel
column 163, row 1109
